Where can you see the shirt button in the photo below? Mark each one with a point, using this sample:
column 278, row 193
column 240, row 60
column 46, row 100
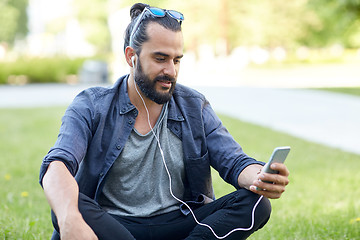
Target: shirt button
column 130, row 121
column 118, row 147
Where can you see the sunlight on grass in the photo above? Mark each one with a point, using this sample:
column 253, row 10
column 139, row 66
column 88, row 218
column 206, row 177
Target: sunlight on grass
column 345, row 90
column 321, row 202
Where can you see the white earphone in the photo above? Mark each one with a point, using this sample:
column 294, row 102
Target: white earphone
column 168, row 173
column 133, row 61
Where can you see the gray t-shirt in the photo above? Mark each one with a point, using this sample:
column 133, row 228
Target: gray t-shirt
column 138, row 184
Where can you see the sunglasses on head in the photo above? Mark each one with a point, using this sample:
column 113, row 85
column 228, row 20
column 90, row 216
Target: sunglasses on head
column 156, row 12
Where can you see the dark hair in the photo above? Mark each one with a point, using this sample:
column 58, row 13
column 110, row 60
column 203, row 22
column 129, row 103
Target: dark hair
column 140, row 35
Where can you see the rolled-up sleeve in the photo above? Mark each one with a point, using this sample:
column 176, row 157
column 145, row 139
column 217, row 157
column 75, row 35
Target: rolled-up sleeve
column 74, row 135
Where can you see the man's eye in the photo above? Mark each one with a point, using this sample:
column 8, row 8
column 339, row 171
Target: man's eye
column 160, row 59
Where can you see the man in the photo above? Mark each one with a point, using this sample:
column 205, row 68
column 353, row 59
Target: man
column 141, row 153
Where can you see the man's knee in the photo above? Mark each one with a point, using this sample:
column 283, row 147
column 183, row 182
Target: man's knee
column 89, row 208
column 256, row 206
column 262, row 213
column 86, row 207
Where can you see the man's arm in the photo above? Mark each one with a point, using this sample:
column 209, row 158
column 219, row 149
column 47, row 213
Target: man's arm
column 250, row 178
column 62, row 192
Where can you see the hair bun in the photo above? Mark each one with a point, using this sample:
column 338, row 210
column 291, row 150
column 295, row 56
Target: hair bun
column 137, row 9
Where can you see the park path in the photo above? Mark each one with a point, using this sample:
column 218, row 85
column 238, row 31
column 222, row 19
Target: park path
column 324, row 117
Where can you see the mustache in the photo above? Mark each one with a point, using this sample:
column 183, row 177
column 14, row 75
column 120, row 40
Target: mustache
column 165, row 78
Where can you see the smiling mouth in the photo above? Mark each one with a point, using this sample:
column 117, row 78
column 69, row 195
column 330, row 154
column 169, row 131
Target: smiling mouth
column 165, row 84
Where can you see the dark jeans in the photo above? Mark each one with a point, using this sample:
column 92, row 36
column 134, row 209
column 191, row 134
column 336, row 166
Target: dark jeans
column 224, row 214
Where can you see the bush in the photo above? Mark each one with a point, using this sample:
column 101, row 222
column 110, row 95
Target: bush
column 39, row 70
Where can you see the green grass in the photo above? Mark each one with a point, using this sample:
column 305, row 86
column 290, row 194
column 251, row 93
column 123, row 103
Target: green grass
column 25, row 137
column 346, row 90
column 321, row 202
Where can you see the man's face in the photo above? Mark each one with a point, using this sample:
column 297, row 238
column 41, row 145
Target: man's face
column 159, row 62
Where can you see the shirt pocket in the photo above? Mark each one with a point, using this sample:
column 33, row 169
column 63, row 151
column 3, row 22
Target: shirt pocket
column 199, row 176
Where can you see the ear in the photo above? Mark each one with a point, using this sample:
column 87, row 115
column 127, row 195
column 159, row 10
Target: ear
column 130, row 55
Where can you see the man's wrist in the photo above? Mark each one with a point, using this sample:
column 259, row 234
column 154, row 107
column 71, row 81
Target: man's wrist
column 249, row 175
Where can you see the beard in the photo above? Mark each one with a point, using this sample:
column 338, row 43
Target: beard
column 148, row 86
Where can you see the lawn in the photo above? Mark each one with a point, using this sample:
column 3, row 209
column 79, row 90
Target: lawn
column 321, row 202
column 25, row 137
column 346, row 90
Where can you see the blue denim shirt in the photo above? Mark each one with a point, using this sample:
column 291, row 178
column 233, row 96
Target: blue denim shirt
column 98, row 122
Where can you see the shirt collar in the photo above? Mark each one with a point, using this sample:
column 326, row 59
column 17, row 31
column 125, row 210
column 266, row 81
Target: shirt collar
column 174, row 110
column 124, row 100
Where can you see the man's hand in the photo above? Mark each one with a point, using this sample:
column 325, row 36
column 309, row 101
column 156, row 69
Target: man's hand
column 74, row 227
column 277, row 184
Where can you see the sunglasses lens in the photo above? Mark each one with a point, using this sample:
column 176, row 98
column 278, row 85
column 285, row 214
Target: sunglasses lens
column 177, row 15
column 157, row 12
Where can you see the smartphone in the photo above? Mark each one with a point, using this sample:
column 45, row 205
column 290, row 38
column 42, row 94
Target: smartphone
column 278, row 156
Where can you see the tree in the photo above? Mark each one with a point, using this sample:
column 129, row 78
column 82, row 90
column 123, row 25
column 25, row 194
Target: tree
column 339, row 23
column 233, row 23
column 22, row 18
column 8, row 16
column 93, row 20
column 13, row 20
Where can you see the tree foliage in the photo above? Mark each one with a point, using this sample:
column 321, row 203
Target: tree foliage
column 339, row 22
column 13, row 19
column 8, row 16
column 94, row 21
column 226, row 24
column 223, row 24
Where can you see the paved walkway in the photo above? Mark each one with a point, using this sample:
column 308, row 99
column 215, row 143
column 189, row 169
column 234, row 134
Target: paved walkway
column 38, row 95
column 323, row 117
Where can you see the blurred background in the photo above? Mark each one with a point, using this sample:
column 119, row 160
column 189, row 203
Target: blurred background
column 272, row 64
column 74, row 41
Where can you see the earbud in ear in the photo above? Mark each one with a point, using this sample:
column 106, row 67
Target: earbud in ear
column 133, row 60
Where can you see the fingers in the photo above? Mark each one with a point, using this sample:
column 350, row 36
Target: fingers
column 267, row 189
column 265, row 193
column 275, row 179
column 281, row 168
column 272, row 185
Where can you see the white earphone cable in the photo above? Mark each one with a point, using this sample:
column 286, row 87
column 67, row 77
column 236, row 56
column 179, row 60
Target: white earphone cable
column 171, row 192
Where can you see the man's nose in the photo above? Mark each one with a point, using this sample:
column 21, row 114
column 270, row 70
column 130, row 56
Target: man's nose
column 170, row 69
